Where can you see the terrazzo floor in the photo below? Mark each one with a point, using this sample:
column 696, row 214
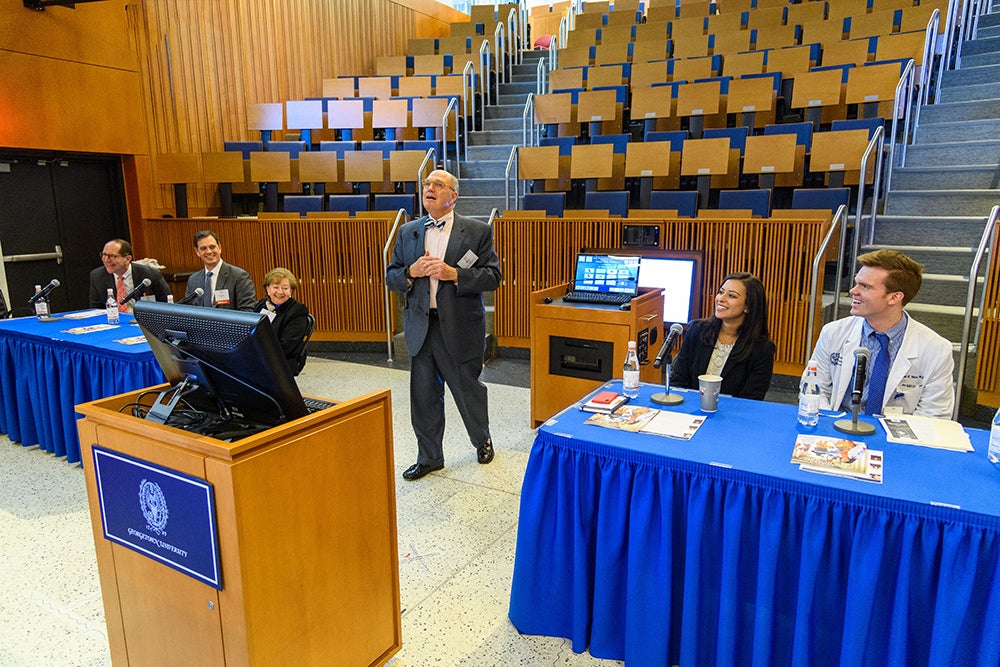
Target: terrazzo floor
column 457, row 531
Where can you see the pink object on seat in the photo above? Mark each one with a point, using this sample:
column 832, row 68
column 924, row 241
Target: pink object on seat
column 543, row 42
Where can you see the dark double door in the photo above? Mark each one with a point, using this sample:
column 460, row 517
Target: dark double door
column 56, row 213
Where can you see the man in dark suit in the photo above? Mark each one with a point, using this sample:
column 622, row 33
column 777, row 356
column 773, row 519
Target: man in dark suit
column 224, row 285
column 120, row 275
column 442, row 263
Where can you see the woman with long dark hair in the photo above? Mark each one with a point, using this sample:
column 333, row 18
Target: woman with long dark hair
column 733, row 342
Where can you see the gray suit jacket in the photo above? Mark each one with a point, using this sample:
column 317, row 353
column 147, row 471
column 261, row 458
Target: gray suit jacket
column 101, row 281
column 242, row 293
column 460, row 307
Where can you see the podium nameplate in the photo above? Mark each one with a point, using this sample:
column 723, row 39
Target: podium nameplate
column 161, row 513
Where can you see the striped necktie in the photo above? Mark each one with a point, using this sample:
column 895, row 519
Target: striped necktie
column 120, row 293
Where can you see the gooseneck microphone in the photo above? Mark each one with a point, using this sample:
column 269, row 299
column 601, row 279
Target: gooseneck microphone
column 852, row 425
column 44, row 292
column 136, row 291
column 193, row 296
column 668, row 343
column 666, row 398
column 861, row 356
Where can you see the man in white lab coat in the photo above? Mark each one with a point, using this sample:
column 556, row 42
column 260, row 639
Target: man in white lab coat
column 920, row 363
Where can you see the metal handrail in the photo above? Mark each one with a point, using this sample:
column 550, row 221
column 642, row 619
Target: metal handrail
column 512, row 33
column 907, row 76
column 501, row 47
column 988, row 240
column 494, row 214
column 528, row 135
column 484, row 78
column 511, row 164
column 839, row 218
column 430, row 155
column 386, row 297
column 452, row 104
column 469, row 69
column 523, row 31
column 876, row 141
column 930, row 50
column 553, row 52
column 540, row 76
column 564, row 29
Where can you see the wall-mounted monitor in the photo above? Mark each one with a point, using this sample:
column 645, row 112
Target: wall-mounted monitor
column 677, row 272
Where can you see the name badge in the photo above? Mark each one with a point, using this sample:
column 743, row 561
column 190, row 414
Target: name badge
column 468, row 259
column 221, row 297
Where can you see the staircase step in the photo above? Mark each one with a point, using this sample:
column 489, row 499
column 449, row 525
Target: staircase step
column 982, row 45
column 946, row 290
column 483, row 169
column 940, row 260
column 946, row 320
column 970, row 73
column 926, row 230
column 989, row 20
column 497, row 152
column 503, row 124
column 948, row 111
column 960, row 154
column 960, row 130
column 942, row 202
column 982, row 177
column 979, row 60
column 505, row 111
column 480, row 206
column 517, row 88
column 493, row 137
column 977, row 91
column 480, row 187
column 518, row 99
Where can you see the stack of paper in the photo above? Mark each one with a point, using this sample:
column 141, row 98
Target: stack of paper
column 926, row 431
column 838, row 456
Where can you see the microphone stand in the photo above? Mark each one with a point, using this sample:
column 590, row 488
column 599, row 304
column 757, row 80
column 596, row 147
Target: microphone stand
column 852, row 425
column 666, row 398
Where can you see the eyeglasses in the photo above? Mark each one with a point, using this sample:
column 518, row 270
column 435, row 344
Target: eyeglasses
column 436, row 185
column 105, row 256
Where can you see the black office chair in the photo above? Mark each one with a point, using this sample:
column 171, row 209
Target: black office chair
column 300, row 361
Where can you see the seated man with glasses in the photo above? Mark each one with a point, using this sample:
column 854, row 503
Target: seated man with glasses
column 120, row 275
column 442, row 263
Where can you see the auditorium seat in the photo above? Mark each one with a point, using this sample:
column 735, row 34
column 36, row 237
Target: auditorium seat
column 685, row 202
column 820, row 198
column 302, row 204
column 244, row 147
column 553, row 203
column 394, row 202
column 613, row 201
column 758, row 201
column 349, row 203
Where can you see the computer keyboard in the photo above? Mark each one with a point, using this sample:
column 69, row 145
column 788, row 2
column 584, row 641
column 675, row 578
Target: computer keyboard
column 598, row 298
column 317, row 404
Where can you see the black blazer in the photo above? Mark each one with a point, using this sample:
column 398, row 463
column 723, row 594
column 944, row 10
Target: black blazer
column 749, row 378
column 101, row 281
column 291, row 319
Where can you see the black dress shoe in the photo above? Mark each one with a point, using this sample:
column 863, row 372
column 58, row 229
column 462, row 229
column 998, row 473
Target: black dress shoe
column 418, row 470
column 484, row 452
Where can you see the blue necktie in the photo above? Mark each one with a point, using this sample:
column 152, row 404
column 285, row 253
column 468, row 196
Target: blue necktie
column 431, row 222
column 879, row 374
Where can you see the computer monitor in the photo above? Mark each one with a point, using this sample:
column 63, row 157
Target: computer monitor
column 225, row 364
column 676, row 272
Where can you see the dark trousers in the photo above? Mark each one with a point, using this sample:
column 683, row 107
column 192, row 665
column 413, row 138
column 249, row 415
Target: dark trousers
column 430, row 369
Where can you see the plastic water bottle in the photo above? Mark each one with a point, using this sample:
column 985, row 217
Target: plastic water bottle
column 630, row 372
column 41, row 306
column 994, row 450
column 112, row 306
column 809, row 396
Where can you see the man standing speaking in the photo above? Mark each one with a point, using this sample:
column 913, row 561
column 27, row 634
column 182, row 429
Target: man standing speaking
column 442, row 263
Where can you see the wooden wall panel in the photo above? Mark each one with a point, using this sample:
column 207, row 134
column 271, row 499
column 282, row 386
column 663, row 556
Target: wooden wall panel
column 203, row 64
column 987, row 361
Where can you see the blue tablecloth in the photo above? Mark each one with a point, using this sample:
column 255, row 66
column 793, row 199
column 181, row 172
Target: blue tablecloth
column 718, row 550
column 45, row 372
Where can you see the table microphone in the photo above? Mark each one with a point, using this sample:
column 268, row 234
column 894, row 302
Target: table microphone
column 136, row 291
column 44, row 292
column 193, row 296
column 852, row 425
column 666, row 398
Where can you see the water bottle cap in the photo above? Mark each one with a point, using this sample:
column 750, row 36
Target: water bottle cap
column 631, row 345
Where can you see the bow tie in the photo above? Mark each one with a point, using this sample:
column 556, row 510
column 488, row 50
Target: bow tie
column 431, row 222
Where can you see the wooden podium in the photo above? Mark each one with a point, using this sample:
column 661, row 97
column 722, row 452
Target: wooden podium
column 306, row 534
column 594, row 336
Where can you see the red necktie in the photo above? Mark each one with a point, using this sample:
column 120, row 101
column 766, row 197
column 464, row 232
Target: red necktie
column 123, row 308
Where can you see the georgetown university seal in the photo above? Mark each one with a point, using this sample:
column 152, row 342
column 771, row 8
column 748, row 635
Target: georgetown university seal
column 154, row 506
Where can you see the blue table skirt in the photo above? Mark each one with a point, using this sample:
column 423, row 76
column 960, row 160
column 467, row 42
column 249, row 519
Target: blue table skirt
column 662, row 561
column 45, row 372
